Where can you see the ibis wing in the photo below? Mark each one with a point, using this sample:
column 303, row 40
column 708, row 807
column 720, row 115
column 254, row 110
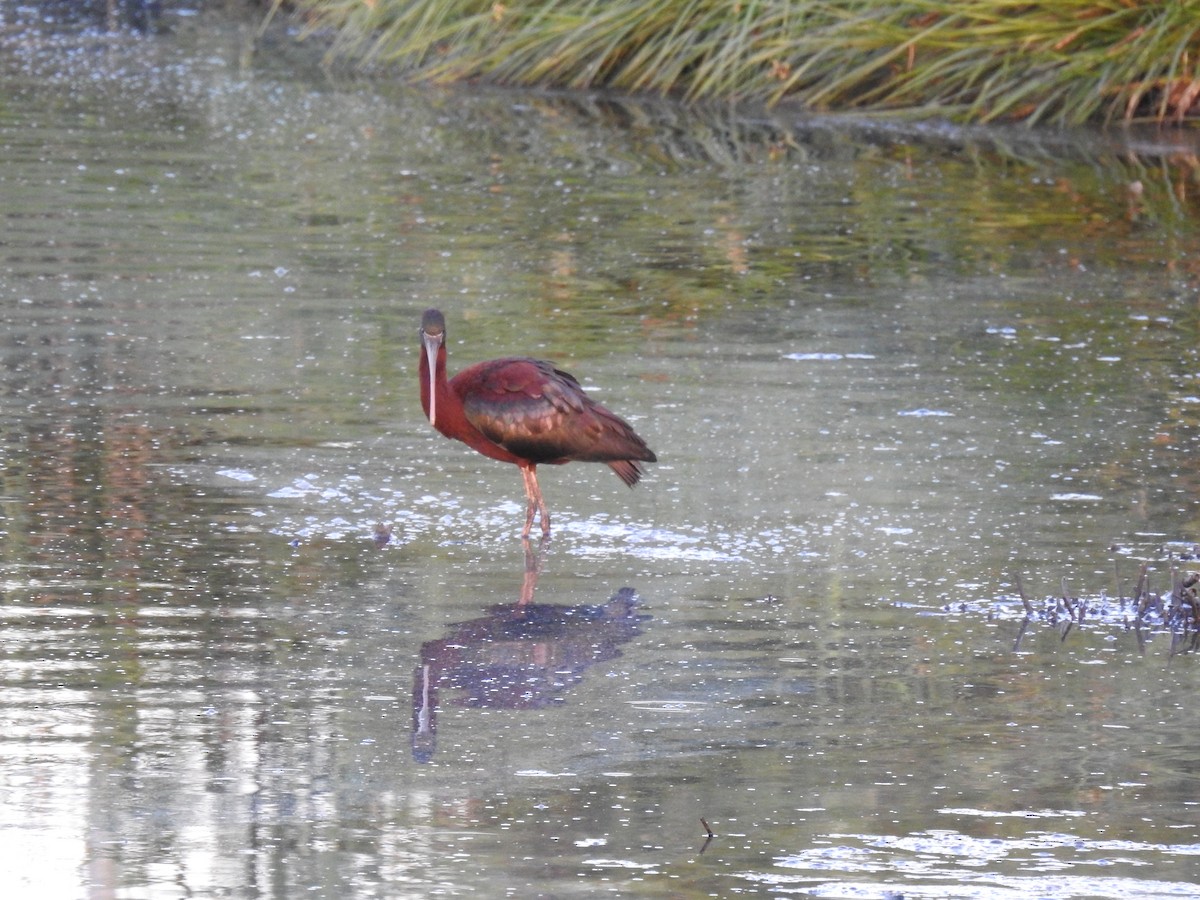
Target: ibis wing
column 540, row 413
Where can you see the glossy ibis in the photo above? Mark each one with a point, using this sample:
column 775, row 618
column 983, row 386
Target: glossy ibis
column 523, row 411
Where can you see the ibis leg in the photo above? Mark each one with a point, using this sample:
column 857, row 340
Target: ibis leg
column 536, row 504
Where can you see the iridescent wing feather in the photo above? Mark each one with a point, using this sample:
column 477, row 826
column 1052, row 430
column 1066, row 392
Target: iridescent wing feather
column 541, row 413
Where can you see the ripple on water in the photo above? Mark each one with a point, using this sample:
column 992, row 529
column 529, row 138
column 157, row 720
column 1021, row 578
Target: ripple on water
column 348, row 508
column 602, row 538
column 317, row 504
column 669, row 705
column 948, row 863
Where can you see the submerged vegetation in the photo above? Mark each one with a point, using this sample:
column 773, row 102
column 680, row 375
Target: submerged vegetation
column 1059, row 61
column 1176, row 612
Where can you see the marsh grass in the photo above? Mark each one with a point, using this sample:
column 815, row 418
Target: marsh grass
column 1067, row 61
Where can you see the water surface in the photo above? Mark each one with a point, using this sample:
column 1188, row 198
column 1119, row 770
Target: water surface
column 885, row 370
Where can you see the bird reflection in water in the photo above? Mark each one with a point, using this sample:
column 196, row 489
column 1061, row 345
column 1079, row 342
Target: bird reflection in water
column 521, row 655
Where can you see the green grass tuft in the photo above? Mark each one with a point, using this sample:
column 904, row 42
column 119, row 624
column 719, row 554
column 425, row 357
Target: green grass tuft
column 1064, row 62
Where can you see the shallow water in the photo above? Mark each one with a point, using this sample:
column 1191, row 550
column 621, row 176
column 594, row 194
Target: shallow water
column 885, row 370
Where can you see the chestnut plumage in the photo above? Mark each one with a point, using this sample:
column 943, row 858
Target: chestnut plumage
column 526, row 412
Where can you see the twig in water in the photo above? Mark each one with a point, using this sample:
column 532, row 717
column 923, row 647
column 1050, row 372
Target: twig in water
column 1021, row 632
column 1141, row 593
column 707, row 830
column 1021, row 590
column 1066, row 597
column 1141, row 637
column 1117, row 582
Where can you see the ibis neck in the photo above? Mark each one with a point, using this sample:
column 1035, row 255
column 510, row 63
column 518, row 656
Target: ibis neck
column 444, row 408
column 438, row 401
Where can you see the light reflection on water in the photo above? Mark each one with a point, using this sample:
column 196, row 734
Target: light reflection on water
column 882, row 382
column 919, row 864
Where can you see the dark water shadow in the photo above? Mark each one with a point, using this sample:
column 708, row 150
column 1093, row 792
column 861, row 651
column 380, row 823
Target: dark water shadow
column 521, row 655
column 110, row 15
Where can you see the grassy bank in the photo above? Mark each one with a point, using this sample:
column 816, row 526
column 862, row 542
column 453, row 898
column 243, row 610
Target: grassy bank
column 1066, row 61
